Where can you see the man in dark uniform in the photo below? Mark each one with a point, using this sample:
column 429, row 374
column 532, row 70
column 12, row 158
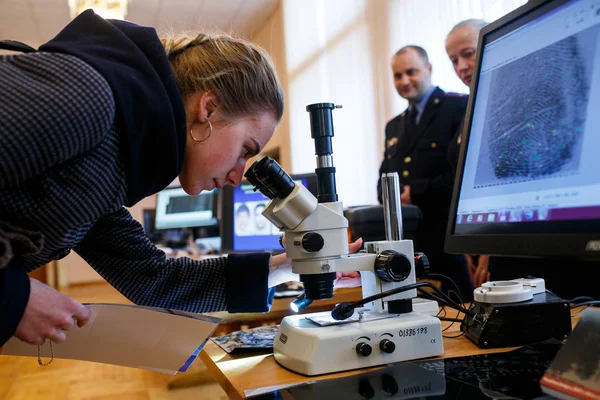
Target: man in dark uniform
column 416, row 144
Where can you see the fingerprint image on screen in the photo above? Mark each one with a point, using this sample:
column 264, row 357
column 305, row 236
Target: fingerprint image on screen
column 536, row 114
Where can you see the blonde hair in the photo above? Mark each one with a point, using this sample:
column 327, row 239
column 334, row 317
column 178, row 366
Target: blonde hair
column 239, row 72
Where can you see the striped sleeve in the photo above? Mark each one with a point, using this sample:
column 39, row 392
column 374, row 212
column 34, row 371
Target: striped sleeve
column 117, row 248
column 54, row 107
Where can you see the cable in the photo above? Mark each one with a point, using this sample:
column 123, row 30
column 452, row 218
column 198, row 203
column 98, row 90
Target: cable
column 581, row 298
column 586, row 303
column 458, row 293
column 445, row 299
column 345, row 310
column 450, row 319
column 439, row 300
column 457, row 336
column 431, row 296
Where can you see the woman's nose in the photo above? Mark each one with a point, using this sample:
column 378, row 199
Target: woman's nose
column 234, row 177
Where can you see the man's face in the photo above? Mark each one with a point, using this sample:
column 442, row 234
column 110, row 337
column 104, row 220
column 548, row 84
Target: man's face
column 412, row 76
column 243, row 219
column 259, row 219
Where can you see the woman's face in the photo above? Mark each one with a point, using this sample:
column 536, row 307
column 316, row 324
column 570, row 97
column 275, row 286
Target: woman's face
column 461, row 46
column 221, row 159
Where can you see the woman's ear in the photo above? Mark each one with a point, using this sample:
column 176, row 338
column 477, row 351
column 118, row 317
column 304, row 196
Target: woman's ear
column 207, row 106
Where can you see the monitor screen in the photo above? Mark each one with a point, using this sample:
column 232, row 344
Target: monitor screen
column 243, row 227
column 177, row 209
column 528, row 162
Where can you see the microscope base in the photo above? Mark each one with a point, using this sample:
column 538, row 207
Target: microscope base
column 306, row 347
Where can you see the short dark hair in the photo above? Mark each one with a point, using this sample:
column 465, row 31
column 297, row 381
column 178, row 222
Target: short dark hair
column 260, row 205
column 420, row 51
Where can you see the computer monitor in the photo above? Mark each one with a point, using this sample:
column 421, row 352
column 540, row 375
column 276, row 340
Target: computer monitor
column 528, row 182
column 243, row 227
column 176, row 209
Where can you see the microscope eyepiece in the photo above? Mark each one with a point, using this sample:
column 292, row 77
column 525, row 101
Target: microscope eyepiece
column 270, row 179
column 321, row 128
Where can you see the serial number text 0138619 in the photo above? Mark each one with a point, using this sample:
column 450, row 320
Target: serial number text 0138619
column 412, row 332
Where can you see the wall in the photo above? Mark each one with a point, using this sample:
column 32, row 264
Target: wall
column 271, row 37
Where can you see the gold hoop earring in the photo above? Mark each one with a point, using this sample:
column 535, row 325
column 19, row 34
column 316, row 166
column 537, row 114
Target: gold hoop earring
column 206, row 138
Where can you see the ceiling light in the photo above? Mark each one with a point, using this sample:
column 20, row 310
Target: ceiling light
column 108, row 9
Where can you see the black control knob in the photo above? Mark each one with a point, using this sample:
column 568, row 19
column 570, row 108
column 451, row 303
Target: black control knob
column 312, row 242
column 364, row 349
column 392, row 266
column 421, row 266
column 389, row 385
column 365, row 389
column 282, row 241
column 387, row 346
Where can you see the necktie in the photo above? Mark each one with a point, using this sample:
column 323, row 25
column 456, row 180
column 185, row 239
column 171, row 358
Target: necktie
column 411, row 118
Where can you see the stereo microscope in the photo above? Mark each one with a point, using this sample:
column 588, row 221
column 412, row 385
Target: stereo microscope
column 385, row 330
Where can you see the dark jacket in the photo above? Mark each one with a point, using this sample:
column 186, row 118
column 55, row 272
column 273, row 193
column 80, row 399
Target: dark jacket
column 420, row 156
column 68, row 164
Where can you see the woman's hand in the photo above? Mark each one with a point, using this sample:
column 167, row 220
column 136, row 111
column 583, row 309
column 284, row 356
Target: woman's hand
column 49, row 314
column 280, row 267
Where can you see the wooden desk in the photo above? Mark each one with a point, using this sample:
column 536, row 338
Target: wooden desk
column 238, row 373
column 279, row 309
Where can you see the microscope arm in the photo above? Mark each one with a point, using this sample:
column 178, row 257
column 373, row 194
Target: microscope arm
column 344, row 263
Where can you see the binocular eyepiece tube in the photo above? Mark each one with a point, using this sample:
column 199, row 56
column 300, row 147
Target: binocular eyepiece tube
column 321, row 127
column 267, row 176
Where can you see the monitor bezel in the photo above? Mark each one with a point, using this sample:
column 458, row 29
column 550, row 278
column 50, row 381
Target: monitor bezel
column 584, row 245
column 226, row 213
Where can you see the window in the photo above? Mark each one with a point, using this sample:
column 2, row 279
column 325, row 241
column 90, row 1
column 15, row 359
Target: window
column 339, row 51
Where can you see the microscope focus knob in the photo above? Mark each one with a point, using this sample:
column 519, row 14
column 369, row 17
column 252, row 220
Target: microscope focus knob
column 312, row 242
column 387, row 346
column 282, row 241
column 364, row 349
column 421, row 266
column 392, row 266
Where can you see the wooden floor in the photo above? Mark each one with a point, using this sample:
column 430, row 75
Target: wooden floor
column 21, row 378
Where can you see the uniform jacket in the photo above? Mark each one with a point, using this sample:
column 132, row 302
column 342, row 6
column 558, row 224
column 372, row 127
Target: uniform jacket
column 420, row 157
column 68, row 164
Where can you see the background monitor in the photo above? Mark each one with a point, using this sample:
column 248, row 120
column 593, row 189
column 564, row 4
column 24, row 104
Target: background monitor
column 176, row 209
column 528, row 182
column 243, row 227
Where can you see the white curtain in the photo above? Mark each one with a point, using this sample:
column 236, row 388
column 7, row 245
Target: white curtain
column 339, row 51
